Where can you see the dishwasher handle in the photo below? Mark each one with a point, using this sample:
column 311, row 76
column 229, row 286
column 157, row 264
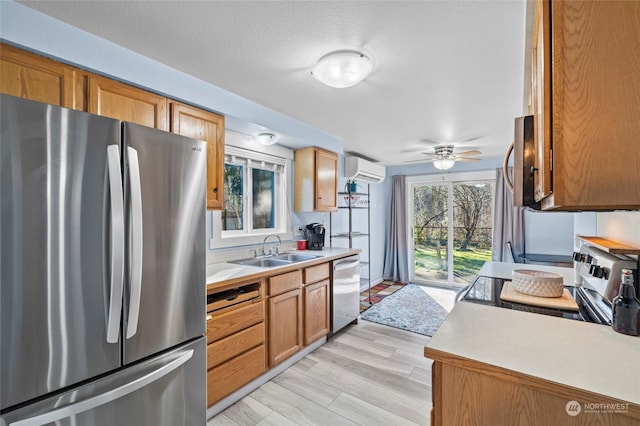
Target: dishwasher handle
column 345, row 265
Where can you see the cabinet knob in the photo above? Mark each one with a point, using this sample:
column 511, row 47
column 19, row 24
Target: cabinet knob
column 533, row 170
column 215, row 189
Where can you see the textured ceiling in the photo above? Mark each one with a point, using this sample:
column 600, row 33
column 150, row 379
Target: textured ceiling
column 445, row 71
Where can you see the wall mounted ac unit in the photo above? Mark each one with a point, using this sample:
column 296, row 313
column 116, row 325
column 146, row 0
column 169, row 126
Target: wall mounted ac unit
column 356, row 168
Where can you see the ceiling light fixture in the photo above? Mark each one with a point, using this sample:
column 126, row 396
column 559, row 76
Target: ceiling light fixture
column 266, row 138
column 443, row 163
column 342, row 69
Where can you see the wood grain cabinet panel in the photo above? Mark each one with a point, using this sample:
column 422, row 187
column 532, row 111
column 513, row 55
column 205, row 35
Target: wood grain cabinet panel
column 209, row 127
column 285, row 326
column 235, row 373
column 478, row 396
column 316, row 273
column 285, row 282
column 34, row 77
column 316, row 311
column 123, row 102
column 235, row 344
column 221, row 324
column 586, row 89
column 315, row 180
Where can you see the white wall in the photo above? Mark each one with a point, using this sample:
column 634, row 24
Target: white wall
column 623, row 227
column 548, row 232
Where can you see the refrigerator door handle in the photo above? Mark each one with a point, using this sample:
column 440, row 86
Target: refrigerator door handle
column 136, row 242
column 107, row 397
column 117, row 243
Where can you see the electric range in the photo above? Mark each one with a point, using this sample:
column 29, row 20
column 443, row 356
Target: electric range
column 597, row 282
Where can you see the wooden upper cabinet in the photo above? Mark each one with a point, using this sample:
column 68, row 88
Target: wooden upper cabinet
column 541, row 92
column 123, row 102
column 209, row 127
column 34, row 77
column 315, row 180
column 586, row 104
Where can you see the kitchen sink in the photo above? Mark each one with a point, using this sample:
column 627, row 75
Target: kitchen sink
column 264, row 263
column 294, row 257
column 278, row 260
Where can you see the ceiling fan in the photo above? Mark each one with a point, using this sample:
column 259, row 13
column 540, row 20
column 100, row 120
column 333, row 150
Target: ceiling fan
column 443, row 157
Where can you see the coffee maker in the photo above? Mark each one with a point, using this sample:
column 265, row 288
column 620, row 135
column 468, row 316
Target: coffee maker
column 315, row 236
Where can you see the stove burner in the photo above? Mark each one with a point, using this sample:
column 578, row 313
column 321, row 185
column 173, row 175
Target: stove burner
column 591, row 307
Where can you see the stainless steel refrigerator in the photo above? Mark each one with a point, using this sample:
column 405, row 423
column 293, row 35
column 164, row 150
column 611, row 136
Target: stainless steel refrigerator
column 102, row 269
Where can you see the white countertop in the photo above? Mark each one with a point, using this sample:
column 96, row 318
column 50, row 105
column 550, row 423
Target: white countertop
column 223, row 271
column 573, row 353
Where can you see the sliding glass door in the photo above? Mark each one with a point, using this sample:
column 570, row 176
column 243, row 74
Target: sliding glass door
column 450, row 224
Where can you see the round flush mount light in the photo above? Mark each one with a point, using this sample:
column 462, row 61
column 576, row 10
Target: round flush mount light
column 444, row 163
column 266, row 138
column 342, row 69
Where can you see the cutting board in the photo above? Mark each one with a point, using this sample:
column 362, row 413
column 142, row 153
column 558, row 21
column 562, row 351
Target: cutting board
column 564, row 302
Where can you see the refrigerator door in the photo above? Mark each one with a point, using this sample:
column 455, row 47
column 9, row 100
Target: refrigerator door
column 56, row 248
column 166, row 390
column 165, row 178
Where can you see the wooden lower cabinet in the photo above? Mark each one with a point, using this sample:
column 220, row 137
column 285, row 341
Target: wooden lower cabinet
column 236, row 339
column 471, row 393
column 233, row 374
column 285, row 326
column 316, row 311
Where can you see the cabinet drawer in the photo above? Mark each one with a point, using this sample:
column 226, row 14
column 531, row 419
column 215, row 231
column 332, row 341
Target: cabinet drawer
column 225, row 349
column 285, row 282
column 221, row 324
column 233, row 374
column 316, row 273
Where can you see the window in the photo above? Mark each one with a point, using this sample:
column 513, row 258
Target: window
column 254, row 193
column 450, row 223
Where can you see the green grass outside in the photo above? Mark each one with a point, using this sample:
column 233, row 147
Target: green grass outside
column 465, row 263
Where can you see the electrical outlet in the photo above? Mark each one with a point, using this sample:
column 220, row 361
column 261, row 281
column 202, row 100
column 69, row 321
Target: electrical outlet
column 297, row 231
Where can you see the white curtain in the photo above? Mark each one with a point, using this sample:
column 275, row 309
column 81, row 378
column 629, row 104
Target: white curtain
column 396, row 260
column 508, row 222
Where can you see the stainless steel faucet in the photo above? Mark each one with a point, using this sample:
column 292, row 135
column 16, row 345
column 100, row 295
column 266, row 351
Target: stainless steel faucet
column 265, row 241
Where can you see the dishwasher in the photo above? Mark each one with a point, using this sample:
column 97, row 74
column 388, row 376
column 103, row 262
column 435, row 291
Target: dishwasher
column 345, row 292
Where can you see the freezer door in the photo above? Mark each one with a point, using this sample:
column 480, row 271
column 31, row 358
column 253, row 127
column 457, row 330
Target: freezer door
column 56, row 248
column 167, row 390
column 165, row 178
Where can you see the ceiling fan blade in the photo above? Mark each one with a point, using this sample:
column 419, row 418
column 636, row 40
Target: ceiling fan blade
column 467, row 159
column 422, row 160
column 467, row 153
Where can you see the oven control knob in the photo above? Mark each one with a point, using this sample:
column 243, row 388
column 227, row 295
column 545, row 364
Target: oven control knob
column 577, row 256
column 598, row 272
column 592, row 269
column 589, row 258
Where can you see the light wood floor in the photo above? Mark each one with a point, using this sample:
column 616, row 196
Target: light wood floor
column 370, row 374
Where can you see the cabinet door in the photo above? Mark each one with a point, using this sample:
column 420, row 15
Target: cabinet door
column 33, row 77
column 541, row 89
column 209, row 127
column 285, row 326
column 326, row 181
column 316, row 311
column 596, row 105
column 122, row 102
